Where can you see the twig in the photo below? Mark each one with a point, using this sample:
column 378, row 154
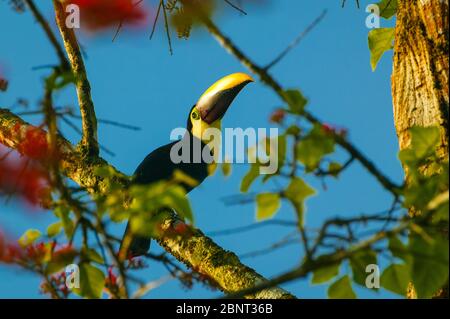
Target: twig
column 89, row 120
column 321, row 172
column 267, row 79
column 122, row 275
column 76, row 129
column 166, row 24
column 299, row 38
column 119, row 27
column 150, row 286
column 286, row 241
column 51, row 36
column 232, row 231
column 235, row 7
column 225, row 268
column 311, row 265
column 156, row 20
column 113, row 123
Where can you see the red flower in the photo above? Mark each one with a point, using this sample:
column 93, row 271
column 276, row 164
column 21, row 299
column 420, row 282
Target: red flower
column 63, row 252
column 328, row 128
column 3, row 84
column 11, row 252
column 180, row 228
column 3, row 81
column 36, row 252
column 34, row 144
column 58, row 282
column 331, row 129
column 277, row 116
column 101, row 14
column 135, row 262
column 111, row 280
column 25, row 179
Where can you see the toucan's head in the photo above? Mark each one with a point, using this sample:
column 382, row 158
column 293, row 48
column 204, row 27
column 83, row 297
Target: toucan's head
column 214, row 103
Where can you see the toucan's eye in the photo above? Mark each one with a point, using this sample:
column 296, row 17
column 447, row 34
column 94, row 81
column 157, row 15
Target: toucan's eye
column 195, row 115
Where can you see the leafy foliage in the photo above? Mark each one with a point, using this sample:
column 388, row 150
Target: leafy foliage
column 313, row 147
column 92, row 281
column 341, row 289
column 325, row 274
column 267, row 204
column 380, row 41
column 388, row 8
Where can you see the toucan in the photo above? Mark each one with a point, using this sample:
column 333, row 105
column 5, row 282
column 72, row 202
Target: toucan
column 158, row 165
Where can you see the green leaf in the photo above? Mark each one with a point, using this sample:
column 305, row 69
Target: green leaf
column 267, row 204
column 325, row 274
column 250, row 177
column 180, row 177
column 398, row 249
column 226, row 169
column 442, row 212
column 419, row 195
column 380, row 41
column 296, row 101
column 54, row 229
column 341, row 289
column 388, row 8
column 313, row 147
column 92, row 282
column 396, row 278
column 63, row 213
column 334, row 169
column 176, row 199
column 160, row 195
column 430, row 264
column 359, row 261
column 93, row 255
column 424, row 141
column 59, row 261
column 64, row 79
column 297, row 192
column 293, row 130
column 282, row 149
column 148, row 225
column 104, row 171
column 29, row 237
column 281, row 157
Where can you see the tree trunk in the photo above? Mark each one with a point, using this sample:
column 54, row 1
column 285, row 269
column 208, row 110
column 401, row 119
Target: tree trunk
column 420, row 73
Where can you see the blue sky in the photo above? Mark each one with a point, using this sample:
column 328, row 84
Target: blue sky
column 136, row 81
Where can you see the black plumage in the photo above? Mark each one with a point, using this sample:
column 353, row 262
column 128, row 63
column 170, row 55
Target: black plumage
column 158, row 166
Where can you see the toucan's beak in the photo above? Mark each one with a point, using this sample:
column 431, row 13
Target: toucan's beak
column 213, row 104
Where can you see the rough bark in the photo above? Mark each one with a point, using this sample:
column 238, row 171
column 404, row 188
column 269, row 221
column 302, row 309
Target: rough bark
column 420, row 74
column 196, row 250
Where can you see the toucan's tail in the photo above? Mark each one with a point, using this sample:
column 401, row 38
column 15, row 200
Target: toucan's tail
column 135, row 245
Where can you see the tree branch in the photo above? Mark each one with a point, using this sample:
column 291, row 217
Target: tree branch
column 325, row 260
column 48, row 31
column 196, row 250
column 89, row 141
column 267, row 79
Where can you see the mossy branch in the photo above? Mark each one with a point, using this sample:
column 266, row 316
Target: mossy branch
column 89, row 140
column 194, row 249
